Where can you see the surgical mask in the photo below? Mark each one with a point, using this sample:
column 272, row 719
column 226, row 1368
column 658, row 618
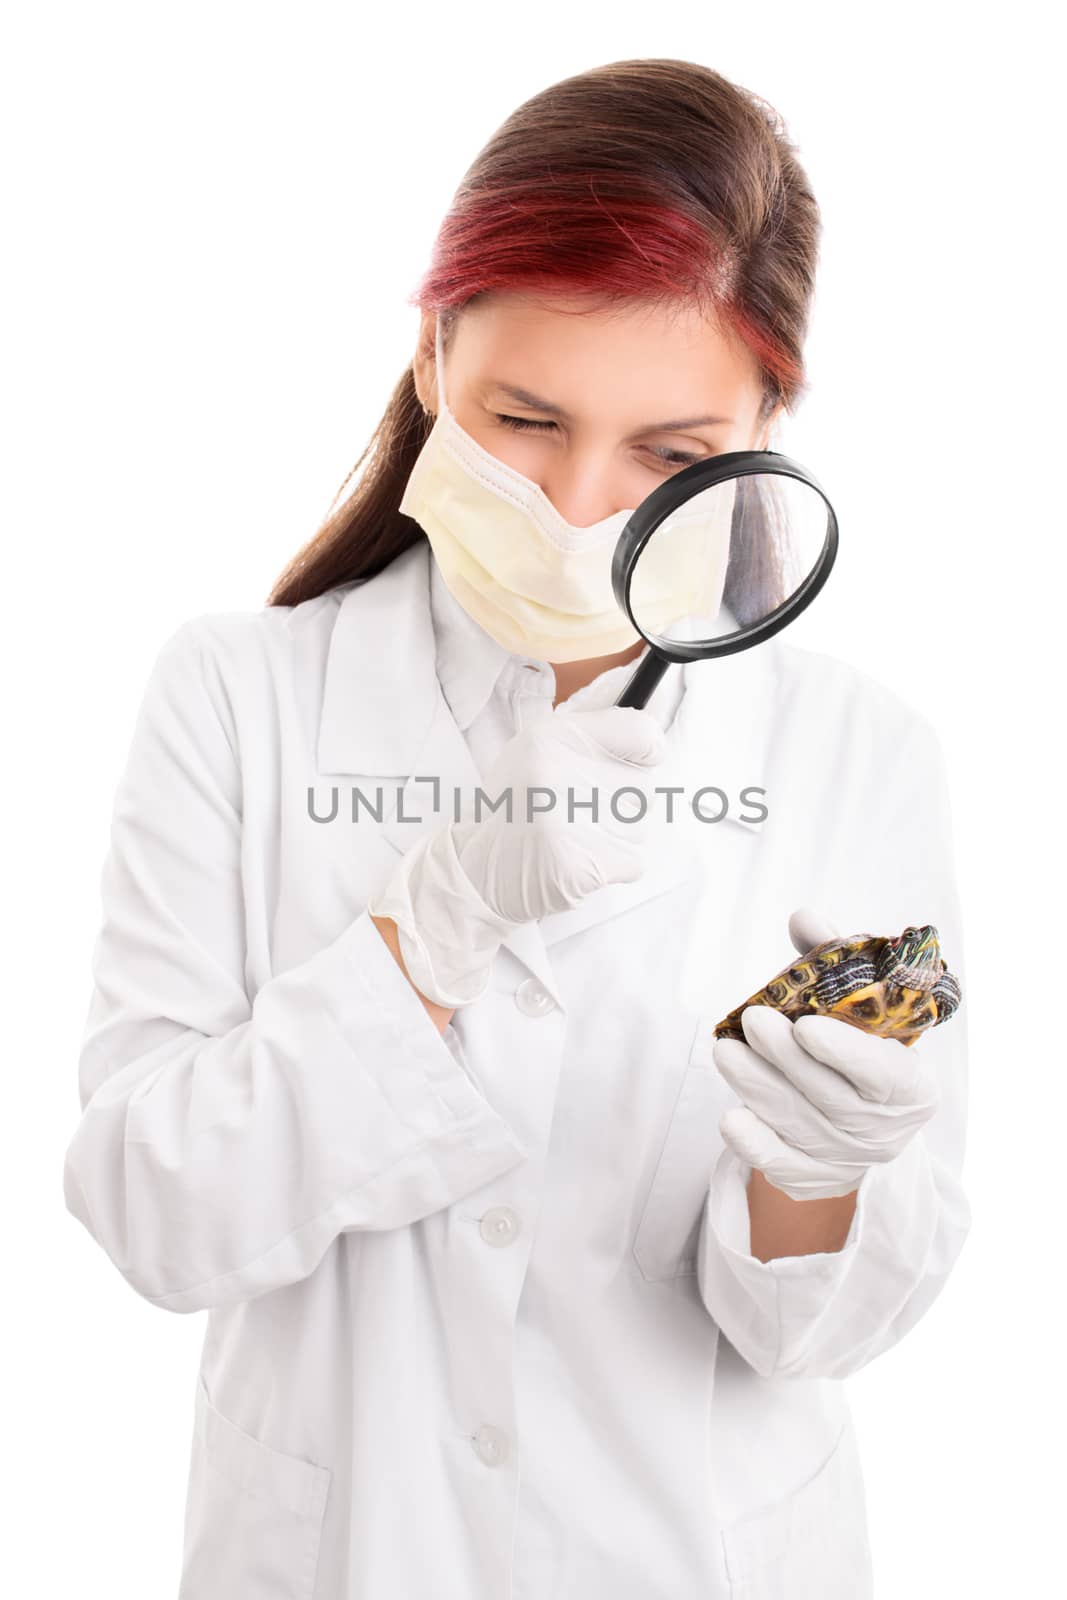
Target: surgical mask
column 538, row 585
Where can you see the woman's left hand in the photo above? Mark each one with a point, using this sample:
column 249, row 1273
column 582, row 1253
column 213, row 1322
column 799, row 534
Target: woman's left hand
column 822, row 1099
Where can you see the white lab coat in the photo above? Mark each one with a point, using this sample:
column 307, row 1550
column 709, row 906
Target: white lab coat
column 483, row 1323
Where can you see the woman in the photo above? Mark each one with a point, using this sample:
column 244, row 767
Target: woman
column 515, row 1287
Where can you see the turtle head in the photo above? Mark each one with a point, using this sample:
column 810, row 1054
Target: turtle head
column 916, row 957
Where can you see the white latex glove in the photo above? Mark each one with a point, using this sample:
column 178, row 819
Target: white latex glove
column 458, row 893
column 823, row 1100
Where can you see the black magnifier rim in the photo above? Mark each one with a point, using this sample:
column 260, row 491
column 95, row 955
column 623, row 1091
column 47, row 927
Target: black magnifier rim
column 667, row 497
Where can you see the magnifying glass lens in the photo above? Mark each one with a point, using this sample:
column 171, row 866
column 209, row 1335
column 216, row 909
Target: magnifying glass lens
column 728, row 557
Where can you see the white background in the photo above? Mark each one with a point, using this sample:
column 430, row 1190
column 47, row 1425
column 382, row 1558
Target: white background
column 214, row 216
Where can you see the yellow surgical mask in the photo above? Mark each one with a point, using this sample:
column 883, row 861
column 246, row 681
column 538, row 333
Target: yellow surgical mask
column 538, row 585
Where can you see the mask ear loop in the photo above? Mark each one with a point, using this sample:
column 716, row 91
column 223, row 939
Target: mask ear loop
column 439, row 366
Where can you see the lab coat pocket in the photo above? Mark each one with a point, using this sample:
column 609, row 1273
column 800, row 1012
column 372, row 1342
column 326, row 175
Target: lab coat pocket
column 665, row 1243
column 253, row 1515
column 812, row 1546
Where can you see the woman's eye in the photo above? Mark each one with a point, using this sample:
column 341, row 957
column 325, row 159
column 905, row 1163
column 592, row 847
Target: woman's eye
column 522, row 422
column 669, row 458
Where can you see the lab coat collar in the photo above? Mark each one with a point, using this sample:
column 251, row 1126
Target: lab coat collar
column 469, row 660
column 470, row 663
column 380, row 691
column 385, row 715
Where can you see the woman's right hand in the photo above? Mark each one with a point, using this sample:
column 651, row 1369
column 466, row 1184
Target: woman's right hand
column 459, row 892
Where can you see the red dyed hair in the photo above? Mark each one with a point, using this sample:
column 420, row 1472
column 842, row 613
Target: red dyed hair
column 648, row 181
column 595, row 232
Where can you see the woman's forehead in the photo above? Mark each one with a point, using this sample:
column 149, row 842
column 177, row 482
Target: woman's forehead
column 671, row 367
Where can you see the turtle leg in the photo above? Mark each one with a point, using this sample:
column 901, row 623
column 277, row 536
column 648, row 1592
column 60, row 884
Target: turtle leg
column 947, row 995
column 837, row 983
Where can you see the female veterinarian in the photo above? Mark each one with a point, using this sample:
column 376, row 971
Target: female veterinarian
column 520, row 1284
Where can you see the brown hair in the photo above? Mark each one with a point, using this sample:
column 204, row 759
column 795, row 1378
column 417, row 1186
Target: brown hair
column 639, row 181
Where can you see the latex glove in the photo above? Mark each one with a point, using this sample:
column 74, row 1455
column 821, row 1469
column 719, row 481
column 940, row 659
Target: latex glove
column 822, row 1099
column 458, row 893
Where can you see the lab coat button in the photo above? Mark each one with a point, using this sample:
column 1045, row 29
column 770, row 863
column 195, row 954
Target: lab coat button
column 532, row 1000
column 491, row 1445
column 500, row 1225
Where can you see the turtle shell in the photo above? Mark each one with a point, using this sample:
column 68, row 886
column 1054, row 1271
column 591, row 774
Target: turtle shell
column 898, row 988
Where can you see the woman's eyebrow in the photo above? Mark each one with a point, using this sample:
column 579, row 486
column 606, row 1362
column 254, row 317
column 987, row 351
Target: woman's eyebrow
column 674, row 425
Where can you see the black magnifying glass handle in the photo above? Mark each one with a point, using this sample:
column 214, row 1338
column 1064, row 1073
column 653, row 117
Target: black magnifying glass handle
column 639, row 686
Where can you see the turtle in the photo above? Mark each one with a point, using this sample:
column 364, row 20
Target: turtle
column 898, row 988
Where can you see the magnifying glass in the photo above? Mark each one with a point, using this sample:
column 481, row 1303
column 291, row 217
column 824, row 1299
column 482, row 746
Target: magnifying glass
column 718, row 558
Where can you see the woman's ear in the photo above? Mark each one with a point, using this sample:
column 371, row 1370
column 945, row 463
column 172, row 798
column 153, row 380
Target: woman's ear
column 424, row 365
